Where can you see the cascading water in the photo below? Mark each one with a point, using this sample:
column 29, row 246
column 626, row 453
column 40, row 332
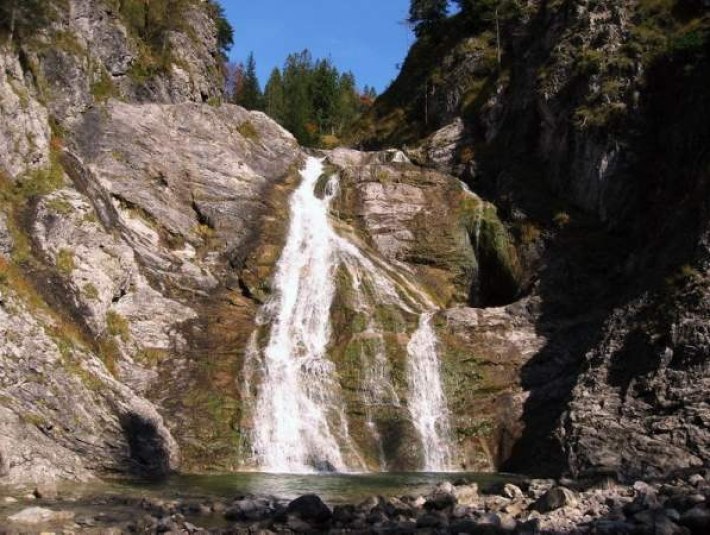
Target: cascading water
column 427, row 401
column 299, row 416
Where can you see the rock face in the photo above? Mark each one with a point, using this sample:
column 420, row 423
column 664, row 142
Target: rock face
column 140, row 222
column 125, row 229
column 575, row 134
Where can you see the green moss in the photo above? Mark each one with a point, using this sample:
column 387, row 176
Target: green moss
column 68, row 42
column 110, row 354
column 38, row 182
column 65, row 262
column 562, row 219
column 90, row 291
column 32, row 418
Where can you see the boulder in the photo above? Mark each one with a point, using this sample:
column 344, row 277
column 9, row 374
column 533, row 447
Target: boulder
column 310, row 508
column 555, row 498
column 512, row 492
column 466, row 494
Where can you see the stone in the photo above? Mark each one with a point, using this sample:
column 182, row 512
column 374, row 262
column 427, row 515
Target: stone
column 309, row 508
column 440, row 500
column 466, row 494
column 512, row 492
column 696, row 480
column 39, row 515
column 46, row 491
column 555, row 498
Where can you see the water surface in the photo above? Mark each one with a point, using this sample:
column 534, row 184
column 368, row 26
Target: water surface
column 333, row 488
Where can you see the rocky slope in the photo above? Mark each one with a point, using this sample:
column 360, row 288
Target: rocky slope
column 590, row 136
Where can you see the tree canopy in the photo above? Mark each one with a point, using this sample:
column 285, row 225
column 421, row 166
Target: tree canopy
column 311, row 98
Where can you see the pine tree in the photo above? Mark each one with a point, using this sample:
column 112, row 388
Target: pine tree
column 425, row 15
column 324, row 95
column 247, row 92
column 299, row 109
column 274, row 98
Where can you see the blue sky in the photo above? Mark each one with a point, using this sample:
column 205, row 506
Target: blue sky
column 363, row 36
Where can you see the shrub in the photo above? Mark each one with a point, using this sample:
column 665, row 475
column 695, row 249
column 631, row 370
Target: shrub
column 65, row 262
column 103, row 88
column 117, row 325
column 248, row 131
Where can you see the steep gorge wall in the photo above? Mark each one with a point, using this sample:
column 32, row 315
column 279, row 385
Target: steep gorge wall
column 590, row 139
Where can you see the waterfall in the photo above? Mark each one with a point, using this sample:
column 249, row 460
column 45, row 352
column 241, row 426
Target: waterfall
column 427, row 401
column 299, row 418
column 299, row 414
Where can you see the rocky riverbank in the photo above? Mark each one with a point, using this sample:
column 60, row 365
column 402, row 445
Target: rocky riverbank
column 674, row 506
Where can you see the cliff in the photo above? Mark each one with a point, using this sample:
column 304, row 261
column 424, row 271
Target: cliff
column 586, row 124
column 125, row 200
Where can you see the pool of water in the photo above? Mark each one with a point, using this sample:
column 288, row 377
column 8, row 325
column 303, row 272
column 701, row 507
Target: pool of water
column 333, row 488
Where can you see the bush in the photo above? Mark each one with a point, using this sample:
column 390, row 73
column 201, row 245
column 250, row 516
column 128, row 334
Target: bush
column 65, row 262
column 117, row 325
column 248, row 131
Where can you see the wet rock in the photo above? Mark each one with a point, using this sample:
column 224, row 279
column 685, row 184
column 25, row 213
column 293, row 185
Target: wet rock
column 309, row 508
column 166, row 525
column 39, row 515
column 248, row 509
column 555, row 498
column 395, row 506
column 696, row 480
column 442, row 497
column 344, row 514
column 298, row 524
column 377, row 516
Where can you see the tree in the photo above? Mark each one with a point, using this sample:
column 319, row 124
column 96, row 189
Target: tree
column 425, row 15
column 299, row 108
column 312, row 99
column 19, row 19
column 324, row 95
column 225, row 31
column 247, row 91
column 274, row 98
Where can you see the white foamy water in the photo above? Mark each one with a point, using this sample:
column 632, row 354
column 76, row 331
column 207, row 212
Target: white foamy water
column 299, row 421
column 427, row 401
column 299, row 418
